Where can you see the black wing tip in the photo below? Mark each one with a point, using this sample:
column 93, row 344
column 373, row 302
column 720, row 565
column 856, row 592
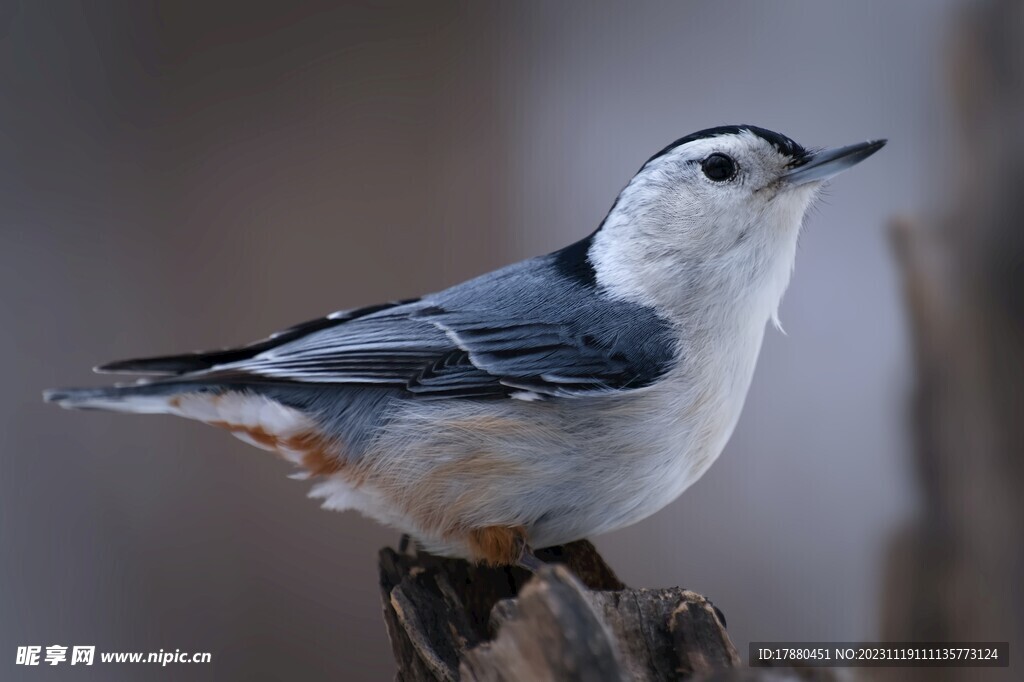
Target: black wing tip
column 200, row 361
column 169, row 364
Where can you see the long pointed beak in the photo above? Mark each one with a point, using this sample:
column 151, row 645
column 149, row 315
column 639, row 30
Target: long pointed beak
column 826, row 163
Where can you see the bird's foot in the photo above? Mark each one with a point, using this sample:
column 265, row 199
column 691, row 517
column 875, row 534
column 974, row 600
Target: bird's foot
column 529, row 560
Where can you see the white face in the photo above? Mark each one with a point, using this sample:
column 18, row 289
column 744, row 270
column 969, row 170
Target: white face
column 709, row 195
column 711, row 216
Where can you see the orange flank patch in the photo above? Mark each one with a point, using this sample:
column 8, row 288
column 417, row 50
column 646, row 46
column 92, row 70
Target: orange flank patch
column 315, row 453
column 497, row 545
column 451, row 490
column 444, row 492
column 319, row 463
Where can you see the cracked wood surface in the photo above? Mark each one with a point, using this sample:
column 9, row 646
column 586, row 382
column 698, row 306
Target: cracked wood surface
column 575, row 620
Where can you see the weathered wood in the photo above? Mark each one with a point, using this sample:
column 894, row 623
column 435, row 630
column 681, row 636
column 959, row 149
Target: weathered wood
column 575, row 620
column 552, row 633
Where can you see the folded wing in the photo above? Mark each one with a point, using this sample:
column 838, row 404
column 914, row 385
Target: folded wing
column 523, row 332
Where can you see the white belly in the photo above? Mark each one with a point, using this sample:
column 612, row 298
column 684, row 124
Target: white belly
column 565, row 469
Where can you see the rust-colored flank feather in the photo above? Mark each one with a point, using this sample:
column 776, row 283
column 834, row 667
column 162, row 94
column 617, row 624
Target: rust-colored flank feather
column 497, row 545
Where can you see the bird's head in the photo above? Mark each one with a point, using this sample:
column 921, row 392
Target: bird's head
column 715, row 213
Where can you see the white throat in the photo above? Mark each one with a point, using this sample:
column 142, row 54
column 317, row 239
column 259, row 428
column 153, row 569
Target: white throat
column 640, row 255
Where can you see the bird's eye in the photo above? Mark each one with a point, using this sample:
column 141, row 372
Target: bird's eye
column 719, row 167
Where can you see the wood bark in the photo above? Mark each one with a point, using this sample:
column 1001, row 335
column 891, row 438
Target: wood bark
column 575, row 620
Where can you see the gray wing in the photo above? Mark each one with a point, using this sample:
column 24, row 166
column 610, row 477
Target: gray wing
column 529, row 330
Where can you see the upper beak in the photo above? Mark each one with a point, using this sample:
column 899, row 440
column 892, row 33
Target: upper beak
column 826, row 163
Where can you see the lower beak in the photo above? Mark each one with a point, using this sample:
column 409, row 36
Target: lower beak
column 826, row 163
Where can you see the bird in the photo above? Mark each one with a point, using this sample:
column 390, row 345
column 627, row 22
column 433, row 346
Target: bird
column 557, row 398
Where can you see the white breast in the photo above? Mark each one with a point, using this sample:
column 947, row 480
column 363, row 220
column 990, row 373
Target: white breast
column 682, row 425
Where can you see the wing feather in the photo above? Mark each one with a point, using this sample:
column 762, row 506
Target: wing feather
column 524, row 331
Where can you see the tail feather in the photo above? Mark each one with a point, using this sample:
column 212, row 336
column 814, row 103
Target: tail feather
column 142, row 398
column 257, row 419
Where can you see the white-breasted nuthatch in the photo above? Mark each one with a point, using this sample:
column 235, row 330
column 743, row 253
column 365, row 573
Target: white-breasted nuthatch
column 566, row 395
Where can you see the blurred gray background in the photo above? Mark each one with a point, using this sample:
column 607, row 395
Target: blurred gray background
column 188, row 175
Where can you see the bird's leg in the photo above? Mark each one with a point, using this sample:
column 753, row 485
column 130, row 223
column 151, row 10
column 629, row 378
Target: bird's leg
column 529, row 560
column 403, row 543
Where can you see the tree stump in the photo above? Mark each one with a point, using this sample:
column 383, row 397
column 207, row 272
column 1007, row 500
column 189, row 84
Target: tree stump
column 575, row 620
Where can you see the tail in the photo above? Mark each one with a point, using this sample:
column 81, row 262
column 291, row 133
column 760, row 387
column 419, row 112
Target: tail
column 157, row 397
column 255, row 418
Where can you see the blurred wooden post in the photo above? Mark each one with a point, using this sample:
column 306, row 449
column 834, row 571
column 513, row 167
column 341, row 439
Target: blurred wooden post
column 958, row 572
